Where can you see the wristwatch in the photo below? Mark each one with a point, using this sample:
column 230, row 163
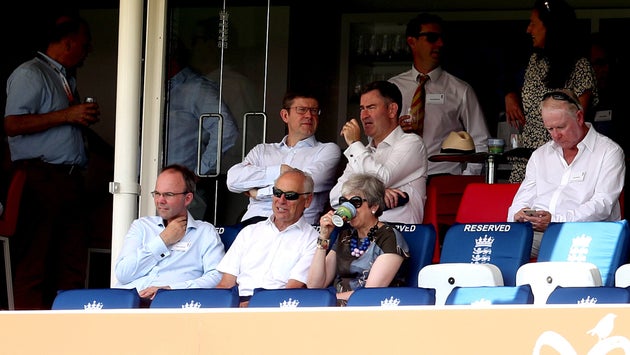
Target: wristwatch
column 323, row 243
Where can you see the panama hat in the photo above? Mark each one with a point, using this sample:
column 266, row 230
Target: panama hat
column 458, row 143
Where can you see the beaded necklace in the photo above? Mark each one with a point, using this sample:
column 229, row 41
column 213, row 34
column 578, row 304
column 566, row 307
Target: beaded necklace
column 355, row 249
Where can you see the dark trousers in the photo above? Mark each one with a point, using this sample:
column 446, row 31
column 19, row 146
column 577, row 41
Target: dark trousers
column 49, row 249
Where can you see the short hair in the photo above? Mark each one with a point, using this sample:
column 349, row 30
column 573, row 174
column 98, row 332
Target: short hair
column 189, row 177
column 64, row 26
column 387, row 90
column 371, row 186
column 563, row 95
column 413, row 26
column 309, row 184
column 291, row 95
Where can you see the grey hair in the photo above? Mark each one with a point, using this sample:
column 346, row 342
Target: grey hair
column 371, row 186
column 308, row 185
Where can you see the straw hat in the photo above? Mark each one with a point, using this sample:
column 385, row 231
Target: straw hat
column 458, row 143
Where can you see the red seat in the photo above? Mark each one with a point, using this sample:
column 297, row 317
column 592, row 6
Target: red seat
column 483, row 202
column 8, row 223
column 443, row 195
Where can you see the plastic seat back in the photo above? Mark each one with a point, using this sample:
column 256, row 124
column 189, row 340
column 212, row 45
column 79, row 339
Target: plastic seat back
column 392, row 296
column 589, row 295
column 196, row 298
column 421, row 241
column 93, row 299
column 506, row 245
column 545, row 276
column 605, row 244
column 622, row 276
column 490, row 295
column 294, row 297
column 228, row 234
column 483, row 202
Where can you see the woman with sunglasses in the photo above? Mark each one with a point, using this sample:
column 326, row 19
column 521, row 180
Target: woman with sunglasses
column 556, row 62
column 367, row 252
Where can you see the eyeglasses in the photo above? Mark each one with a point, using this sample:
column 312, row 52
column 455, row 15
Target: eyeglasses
column 289, row 195
column 356, row 201
column 302, row 110
column 432, row 37
column 167, row 195
column 562, row 96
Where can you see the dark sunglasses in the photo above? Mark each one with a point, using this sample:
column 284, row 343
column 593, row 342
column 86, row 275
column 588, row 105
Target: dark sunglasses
column 432, row 37
column 559, row 95
column 356, row 201
column 289, row 195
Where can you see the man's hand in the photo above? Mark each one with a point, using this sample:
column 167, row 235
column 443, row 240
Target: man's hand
column 150, row 292
column 174, row 231
column 351, row 131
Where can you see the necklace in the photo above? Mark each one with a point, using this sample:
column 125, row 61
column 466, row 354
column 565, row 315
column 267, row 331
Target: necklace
column 355, row 249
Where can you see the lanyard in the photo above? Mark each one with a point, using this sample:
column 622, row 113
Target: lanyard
column 64, row 80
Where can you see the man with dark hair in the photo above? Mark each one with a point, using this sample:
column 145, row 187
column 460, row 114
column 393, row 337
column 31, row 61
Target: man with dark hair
column 44, row 121
column 398, row 159
column 450, row 104
column 298, row 149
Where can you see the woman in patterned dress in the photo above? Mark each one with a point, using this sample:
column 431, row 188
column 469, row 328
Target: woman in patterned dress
column 556, row 62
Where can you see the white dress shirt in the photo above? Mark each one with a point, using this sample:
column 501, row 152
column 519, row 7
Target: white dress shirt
column 263, row 256
column 261, row 167
column 586, row 190
column 400, row 161
column 451, row 105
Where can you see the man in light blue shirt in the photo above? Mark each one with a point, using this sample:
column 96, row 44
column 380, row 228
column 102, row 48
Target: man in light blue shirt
column 171, row 250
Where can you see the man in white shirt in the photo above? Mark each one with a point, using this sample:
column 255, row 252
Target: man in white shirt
column 397, row 158
column 451, row 104
column 277, row 252
column 255, row 175
column 577, row 176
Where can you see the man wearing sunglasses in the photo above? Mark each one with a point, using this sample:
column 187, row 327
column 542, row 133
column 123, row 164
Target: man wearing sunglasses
column 577, row 176
column 450, row 104
column 255, row 175
column 276, row 252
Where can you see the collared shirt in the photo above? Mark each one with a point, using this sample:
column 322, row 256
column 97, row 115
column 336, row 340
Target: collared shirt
column 190, row 96
column 263, row 256
column 145, row 260
column 451, row 105
column 35, row 87
column 393, row 162
column 586, row 190
column 261, row 167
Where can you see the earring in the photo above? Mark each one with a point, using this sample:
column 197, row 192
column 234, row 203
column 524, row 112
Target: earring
column 373, row 212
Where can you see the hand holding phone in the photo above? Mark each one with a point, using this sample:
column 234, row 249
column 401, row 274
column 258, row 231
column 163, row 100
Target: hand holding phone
column 530, row 212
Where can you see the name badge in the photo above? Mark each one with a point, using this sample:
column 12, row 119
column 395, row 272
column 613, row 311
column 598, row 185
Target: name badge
column 181, row 246
column 605, row 115
column 578, row 176
column 435, row 99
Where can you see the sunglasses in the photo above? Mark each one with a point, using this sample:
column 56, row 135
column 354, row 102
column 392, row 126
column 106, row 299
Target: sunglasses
column 289, row 195
column 562, row 96
column 356, row 201
column 432, row 37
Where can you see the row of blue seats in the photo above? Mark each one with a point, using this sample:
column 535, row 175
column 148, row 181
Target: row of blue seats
column 97, row 299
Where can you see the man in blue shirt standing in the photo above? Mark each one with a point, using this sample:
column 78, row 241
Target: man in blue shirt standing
column 171, row 250
column 44, row 121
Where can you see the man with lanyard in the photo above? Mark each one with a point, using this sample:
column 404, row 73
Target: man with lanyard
column 44, row 120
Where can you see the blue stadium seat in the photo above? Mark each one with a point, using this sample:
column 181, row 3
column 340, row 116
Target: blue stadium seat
column 589, row 295
column 506, row 245
column 421, row 241
column 96, row 298
column 487, row 295
column 604, row 244
column 228, row 234
column 196, row 298
column 392, row 296
column 294, row 297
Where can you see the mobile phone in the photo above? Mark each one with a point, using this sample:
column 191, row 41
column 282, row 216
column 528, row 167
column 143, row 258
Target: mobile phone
column 530, row 212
